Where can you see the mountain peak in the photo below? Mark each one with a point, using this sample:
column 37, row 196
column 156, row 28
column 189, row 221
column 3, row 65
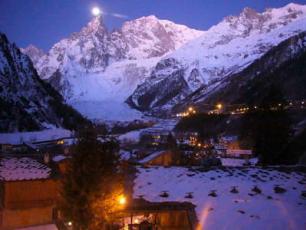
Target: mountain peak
column 294, row 6
column 94, row 25
column 248, row 12
column 150, row 17
column 145, row 20
column 33, row 52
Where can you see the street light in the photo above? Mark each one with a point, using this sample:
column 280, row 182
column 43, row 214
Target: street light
column 122, row 200
column 219, row 106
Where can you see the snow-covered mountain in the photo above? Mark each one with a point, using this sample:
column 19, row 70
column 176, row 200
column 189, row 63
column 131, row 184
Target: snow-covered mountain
column 33, row 52
column 27, row 102
column 282, row 67
column 155, row 64
column 97, row 68
column 225, row 49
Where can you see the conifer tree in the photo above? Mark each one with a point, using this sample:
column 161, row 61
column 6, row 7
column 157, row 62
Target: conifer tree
column 92, row 183
column 269, row 128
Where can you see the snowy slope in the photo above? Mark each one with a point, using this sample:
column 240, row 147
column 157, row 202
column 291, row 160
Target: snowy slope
column 242, row 210
column 224, row 49
column 94, row 65
column 154, row 64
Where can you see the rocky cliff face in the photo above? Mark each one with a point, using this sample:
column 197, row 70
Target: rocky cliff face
column 26, row 102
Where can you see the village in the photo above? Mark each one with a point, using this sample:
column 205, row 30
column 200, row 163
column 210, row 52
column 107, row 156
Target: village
column 32, row 165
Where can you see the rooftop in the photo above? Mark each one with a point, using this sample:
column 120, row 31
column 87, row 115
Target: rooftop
column 151, row 156
column 25, row 168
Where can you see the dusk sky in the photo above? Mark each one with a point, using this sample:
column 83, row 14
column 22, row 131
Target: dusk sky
column 44, row 22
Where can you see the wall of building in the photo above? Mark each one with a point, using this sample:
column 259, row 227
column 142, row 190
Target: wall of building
column 27, row 203
column 164, row 159
column 17, row 218
column 163, row 219
column 173, row 220
column 34, row 193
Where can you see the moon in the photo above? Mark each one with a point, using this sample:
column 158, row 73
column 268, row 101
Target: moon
column 96, row 11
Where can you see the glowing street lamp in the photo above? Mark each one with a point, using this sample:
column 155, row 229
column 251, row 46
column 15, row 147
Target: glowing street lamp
column 219, row 106
column 122, row 200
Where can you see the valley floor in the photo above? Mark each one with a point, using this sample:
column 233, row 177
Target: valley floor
column 107, row 110
column 247, row 209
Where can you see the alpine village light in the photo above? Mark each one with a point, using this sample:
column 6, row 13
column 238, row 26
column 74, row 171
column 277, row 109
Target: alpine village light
column 219, row 106
column 122, row 200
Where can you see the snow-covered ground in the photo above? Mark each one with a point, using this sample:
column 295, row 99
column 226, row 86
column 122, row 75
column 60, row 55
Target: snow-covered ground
column 107, row 110
column 166, row 125
column 242, row 210
column 44, row 135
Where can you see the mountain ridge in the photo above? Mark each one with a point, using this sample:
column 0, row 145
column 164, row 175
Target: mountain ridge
column 26, row 102
column 151, row 66
column 223, row 50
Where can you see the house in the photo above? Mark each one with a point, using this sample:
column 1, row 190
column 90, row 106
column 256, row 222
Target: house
column 33, row 141
column 142, row 214
column 162, row 158
column 220, row 149
column 239, row 153
column 28, row 193
column 62, row 161
column 154, row 137
column 189, row 138
column 9, row 148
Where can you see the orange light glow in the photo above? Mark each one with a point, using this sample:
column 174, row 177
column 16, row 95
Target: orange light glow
column 122, row 200
column 219, row 106
column 203, row 217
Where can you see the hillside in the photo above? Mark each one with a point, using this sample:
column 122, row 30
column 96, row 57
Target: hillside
column 26, row 102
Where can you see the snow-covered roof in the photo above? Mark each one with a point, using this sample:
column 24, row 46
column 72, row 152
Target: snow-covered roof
column 132, row 136
column 25, row 168
column 238, row 152
column 124, row 155
column 30, row 137
column 59, row 158
column 237, row 162
column 151, row 157
column 245, row 209
column 229, row 138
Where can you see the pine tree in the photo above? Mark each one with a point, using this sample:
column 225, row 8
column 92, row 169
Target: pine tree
column 269, row 128
column 92, row 184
